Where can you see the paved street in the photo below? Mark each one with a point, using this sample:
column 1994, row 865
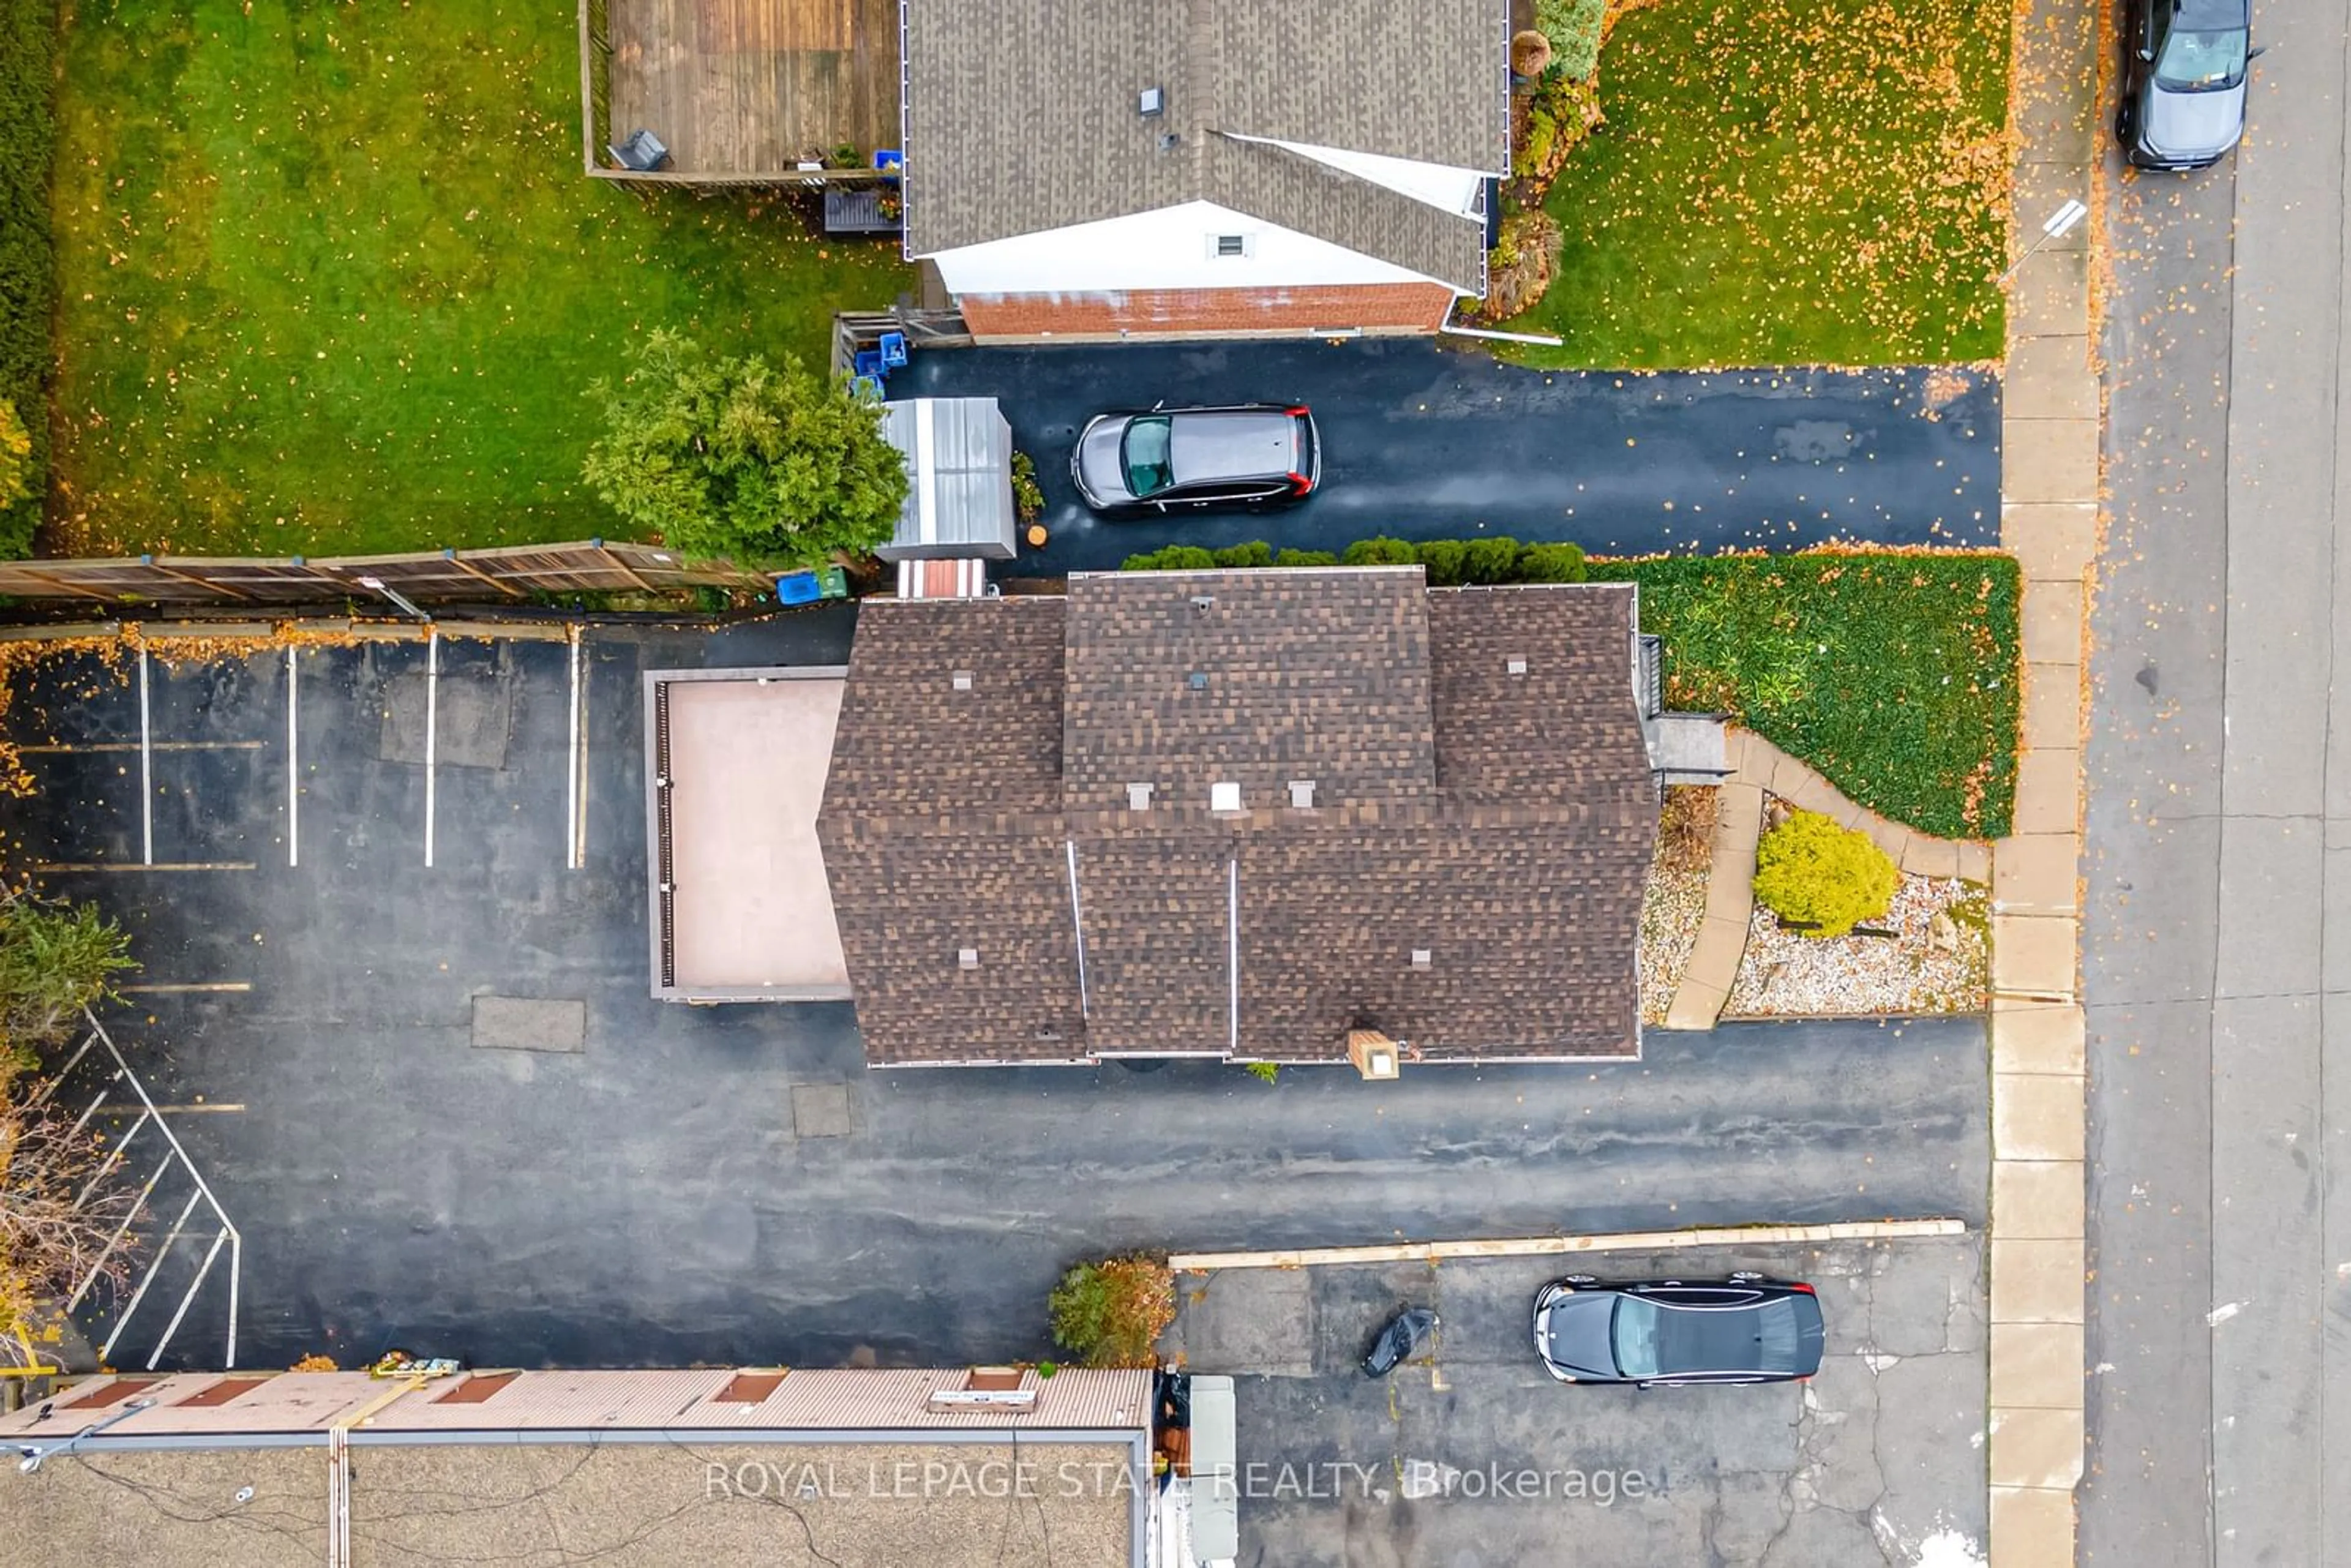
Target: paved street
column 683, row 1184
column 1424, row 442
column 2216, row 971
column 1471, row 1454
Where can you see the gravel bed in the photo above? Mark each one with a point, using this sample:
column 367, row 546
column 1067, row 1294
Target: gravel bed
column 1673, row 906
column 1783, row 974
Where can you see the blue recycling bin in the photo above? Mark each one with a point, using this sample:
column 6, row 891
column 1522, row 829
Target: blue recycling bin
column 893, row 349
column 798, row 588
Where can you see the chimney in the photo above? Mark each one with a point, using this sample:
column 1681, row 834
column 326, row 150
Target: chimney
column 1376, row 1056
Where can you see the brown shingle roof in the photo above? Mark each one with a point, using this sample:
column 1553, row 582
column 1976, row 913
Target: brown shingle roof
column 1502, row 823
column 1181, row 679
column 1021, row 116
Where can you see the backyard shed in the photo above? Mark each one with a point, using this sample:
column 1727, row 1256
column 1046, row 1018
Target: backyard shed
column 958, row 453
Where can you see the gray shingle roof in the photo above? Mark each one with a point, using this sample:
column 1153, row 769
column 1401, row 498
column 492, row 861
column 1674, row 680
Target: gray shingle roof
column 1502, row 821
column 1021, row 116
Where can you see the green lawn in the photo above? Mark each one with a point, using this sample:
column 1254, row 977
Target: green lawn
column 1787, row 181
column 1895, row 675
column 330, row 278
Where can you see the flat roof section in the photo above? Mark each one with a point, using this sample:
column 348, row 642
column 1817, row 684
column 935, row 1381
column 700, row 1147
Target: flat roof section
column 735, row 770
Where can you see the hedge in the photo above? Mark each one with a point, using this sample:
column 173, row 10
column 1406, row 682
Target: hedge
column 1496, row 559
column 28, row 46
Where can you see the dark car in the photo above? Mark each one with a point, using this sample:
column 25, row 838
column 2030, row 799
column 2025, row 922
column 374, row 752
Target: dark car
column 1197, row 459
column 1398, row 1341
column 2183, row 80
column 1744, row 1328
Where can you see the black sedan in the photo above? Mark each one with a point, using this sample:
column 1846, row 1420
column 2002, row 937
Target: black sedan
column 2183, row 80
column 1744, row 1328
column 1243, row 457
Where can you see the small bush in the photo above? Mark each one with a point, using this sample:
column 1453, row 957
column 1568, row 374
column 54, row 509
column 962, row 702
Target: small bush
column 1541, row 128
column 1443, row 560
column 1174, row 558
column 1686, row 827
column 1028, row 500
column 1809, row 869
column 1305, row 557
column 1110, row 1313
column 1551, row 564
column 1380, row 551
column 1257, row 552
column 1270, row 1072
column 1573, row 29
column 1487, row 560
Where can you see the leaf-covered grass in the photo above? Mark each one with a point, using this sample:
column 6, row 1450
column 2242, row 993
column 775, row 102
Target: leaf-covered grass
column 1896, row 674
column 330, row 277
column 28, row 33
column 1787, row 181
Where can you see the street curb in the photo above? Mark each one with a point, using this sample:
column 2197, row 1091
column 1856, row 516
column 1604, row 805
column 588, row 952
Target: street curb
column 1556, row 1245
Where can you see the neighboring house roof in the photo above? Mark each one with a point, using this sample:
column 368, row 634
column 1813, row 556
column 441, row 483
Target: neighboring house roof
column 634, row 1470
column 1000, row 899
column 1021, row 116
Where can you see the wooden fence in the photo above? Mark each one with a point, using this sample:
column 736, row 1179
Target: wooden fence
column 509, row 574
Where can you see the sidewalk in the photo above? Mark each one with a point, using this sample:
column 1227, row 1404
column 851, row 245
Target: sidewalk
column 2049, row 522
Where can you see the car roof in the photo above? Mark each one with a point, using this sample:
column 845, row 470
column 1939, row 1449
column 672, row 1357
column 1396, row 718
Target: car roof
column 2214, row 15
column 1756, row 1335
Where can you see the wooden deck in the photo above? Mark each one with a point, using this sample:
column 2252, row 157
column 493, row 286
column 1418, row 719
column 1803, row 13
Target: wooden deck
column 737, row 88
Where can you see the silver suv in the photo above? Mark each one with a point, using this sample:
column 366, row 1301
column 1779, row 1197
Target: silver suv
column 1197, row 459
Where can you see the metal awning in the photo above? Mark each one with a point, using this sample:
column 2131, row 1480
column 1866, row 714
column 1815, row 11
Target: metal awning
column 958, row 453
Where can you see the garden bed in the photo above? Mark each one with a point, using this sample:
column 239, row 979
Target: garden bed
column 1673, row 902
column 1786, row 974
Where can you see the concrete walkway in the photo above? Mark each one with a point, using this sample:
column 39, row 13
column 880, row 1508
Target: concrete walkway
column 2049, row 522
column 1758, row 767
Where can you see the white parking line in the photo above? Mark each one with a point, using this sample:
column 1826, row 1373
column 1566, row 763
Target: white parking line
column 146, row 770
column 432, row 724
column 571, row 843
column 100, row 745
column 293, row 761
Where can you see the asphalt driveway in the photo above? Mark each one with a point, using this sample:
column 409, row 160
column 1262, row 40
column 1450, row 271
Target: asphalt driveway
column 1424, row 441
column 667, row 1185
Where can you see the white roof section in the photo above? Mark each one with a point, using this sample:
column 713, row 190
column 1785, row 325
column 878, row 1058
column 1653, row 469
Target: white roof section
column 958, row 453
column 1439, row 185
column 814, row 1401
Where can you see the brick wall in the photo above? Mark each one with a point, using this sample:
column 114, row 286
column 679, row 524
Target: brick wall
column 1389, row 307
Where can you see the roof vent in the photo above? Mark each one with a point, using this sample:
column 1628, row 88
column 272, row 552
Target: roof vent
column 966, row 957
column 1197, row 680
column 1152, row 102
column 1138, row 796
column 1516, row 666
column 1203, row 602
column 1421, row 958
column 1167, row 140
column 1301, row 794
column 1224, row 796
column 963, row 680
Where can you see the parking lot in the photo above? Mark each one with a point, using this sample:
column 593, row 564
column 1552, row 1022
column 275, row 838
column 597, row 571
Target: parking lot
column 1472, row 1455
column 443, row 1111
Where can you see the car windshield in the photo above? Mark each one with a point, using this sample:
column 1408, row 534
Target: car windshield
column 1653, row 1340
column 1144, row 454
column 2201, row 61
